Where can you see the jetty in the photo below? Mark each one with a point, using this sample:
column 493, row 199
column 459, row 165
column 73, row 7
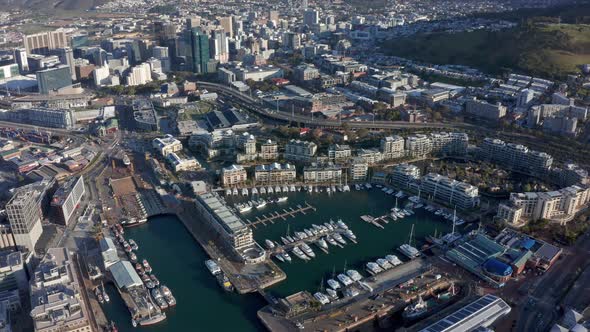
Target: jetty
column 287, row 212
column 372, row 220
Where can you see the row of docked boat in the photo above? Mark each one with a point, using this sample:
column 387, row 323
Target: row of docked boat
column 258, row 203
column 101, row 294
column 345, row 283
column 328, row 189
column 165, row 299
column 321, row 235
column 261, row 190
column 450, row 216
column 382, row 264
column 221, row 277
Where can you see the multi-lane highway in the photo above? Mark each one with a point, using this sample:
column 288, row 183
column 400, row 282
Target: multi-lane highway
column 256, row 105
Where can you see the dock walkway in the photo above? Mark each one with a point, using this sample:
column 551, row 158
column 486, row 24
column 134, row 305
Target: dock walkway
column 287, row 212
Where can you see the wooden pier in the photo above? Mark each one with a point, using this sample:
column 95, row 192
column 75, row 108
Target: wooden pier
column 287, row 212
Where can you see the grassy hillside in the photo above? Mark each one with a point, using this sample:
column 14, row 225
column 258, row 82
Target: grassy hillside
column 552, row 50
column 48, row 6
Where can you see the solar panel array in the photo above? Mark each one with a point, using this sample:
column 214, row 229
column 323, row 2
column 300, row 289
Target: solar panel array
column 472, row 316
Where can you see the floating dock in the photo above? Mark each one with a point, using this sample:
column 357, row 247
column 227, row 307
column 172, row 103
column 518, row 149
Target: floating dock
column 287, row 212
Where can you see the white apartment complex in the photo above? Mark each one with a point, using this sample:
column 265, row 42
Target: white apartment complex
column 233, row 175
column 392, row 147
column 327, row 173
column 453, row 193
column 166, row 145
column 516, row 156
column 297, row 150
column 560, row 205
column 275, row 173
column 404, row 174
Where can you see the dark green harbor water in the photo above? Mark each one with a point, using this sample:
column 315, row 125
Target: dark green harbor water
column 178, row 260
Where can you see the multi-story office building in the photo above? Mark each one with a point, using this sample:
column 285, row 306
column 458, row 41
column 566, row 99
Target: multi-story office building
column 139, row 75
column 297, row 150
column 269, row 150
column 219, row 46
column 418, row 145
column 56, row 301
column 40, row 116
column 66, row 199
column 451, row 192
column 359, row 169
column 13, row 275
column 20, row 55
column 404, row 174
column 275, row 173
column 449, row 144
column 199, row 51
column 66, row 57
column 52, row 79
column 560, row 205
column 392, row 147
column 311, row 17
column 24, row 215
column 44, row 42
column 482, row 109
column 516, row 157
column 233, row 175
column 339, row 153
column 231, row 228
column 322, row 173
column 227, row 23
column 166, row 145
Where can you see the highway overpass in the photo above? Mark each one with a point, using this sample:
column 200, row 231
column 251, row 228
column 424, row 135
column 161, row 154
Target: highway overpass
column 256, row 105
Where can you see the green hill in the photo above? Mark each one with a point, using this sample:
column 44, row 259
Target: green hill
column 535, row 46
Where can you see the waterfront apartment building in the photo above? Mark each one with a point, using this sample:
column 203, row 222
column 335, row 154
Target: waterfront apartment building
column 449, row 144
column 166, row 145
column 233, row 175
column 56, row 300
column 275, row 173
column 322, row 173
column 485, row 110
column 359, row 169
column 67, row 198
column 269, row 150
column 516, row 157
column 451, row 192
column 371, row 156
column 297, row 150
column 231, row 228
column 339, row 153
column 559, row 205
column 404, row 174
column 181, row 163
column 25, row 215
column 418, row 146
column 392, row 147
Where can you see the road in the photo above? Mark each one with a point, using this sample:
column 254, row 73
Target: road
column 256, row 105
column 539, row 310
column 54, row 131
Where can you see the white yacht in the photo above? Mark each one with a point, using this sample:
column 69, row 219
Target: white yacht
column 354, row 275
column 235, row 192
column 344, row 279
column 338, row 238
column 332, row 293
column 244, row 191
column 260, row 204
column 287, row 257
column 269, row 190
column 341, row 224
column 373, row 268
column 349, row 234
column 393, row 260
column 299, row 253
column 322, row 243
column 333, row 284
column 277, row 189
column 212, row 266
column 350, row 292
column 331, row 240
column 285, row 189
column 321, row 297
column 282, row 199
column 409, row 251
column 262, row 191
column 269, row 244
column 254, row 191
column 384, row 263
column 307, row 250
column 292, row 189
